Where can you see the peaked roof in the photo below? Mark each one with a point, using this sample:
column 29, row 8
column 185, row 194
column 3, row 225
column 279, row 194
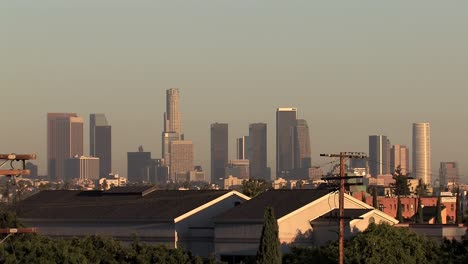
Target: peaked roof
column 283, row 202
column 349, row 214
column 97, row 205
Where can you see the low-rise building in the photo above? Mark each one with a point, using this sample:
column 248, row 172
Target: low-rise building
column 300, row 215
column 172, row 218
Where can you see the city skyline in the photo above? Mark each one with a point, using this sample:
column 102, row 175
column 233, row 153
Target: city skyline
column 390, row 65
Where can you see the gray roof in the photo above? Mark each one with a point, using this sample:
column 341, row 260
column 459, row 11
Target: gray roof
column 283, row 202
column 119, row 205
column 349, row 214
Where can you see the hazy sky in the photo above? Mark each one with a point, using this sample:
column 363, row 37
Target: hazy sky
column 353, row 68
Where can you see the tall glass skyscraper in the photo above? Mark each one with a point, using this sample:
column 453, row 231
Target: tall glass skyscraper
column 219, row 151
column 422, row 152
column 64, row 141
column 302, row 153
column 257, row 149
column 285, row 123
column 100, row 142
column 399, row 157
column 379, row 155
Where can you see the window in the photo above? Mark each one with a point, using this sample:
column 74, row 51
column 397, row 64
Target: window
column 381, row 207
column 452, row 207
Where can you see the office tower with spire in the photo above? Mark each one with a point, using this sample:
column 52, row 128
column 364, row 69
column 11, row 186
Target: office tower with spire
column 172, row 123
column 64, row 141
column 258, row 151
column 219, row 151
column 379, row 155
column 302, row 153
column 399, row 157
column 422, row 152
column 285, row 123
column 100, row 142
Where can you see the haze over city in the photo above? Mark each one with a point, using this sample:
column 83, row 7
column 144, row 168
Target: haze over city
column 351, row 71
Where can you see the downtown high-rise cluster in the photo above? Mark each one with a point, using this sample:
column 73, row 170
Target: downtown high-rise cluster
column 66, row 158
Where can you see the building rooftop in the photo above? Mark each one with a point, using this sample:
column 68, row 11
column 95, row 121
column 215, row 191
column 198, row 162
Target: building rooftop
column 283, row 202
column 129, row 203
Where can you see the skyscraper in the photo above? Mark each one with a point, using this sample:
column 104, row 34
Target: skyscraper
column 82, row 168
column 172, row 116
column 242, row 145
column 258, row 151
column 302, row 154
column 285, row 122
column 399, row 156
column 422, row 152
column 64, row 141
column 219, row 151
column 379, row 155
column 448, row 173
column 181, row 160
column 172, row 124
column 139, row 166
column 100, row 142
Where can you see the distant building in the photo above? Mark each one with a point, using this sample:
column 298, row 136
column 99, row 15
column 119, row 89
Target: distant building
column 302, row 152
column 197, row 174
column 167, row 138
column 379, row 155
column 422, row 152
column 232, row 183
column 219, row 151
column 82, row 168
column 399, row 157
column 285, row 122
column 100, row 142
column 138, row 166
column 64, row 141
column 448, row 173
column 112, row 180
column 239, row 169
column 243, row 148
column 33, row 170
column 258, row 152
column 315, row 173
column 181, row 159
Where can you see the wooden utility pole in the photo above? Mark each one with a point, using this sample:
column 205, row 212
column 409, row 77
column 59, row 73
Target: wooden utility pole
column 343, row 157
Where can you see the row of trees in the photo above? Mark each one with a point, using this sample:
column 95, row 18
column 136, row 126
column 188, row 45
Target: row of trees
column 385, row 244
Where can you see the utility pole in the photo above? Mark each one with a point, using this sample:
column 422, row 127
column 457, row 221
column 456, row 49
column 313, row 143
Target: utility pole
column 343, row 157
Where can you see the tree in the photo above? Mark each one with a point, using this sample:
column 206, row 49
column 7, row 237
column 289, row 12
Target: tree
column 363, row 198
column 104, row 185
column 401, row 185
column 386, row 244
column 254, row 187
column 438, row 219
column 375, row 203
column 399, row 210
column 459, row 212
column 378, row 244
column 269, row 250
